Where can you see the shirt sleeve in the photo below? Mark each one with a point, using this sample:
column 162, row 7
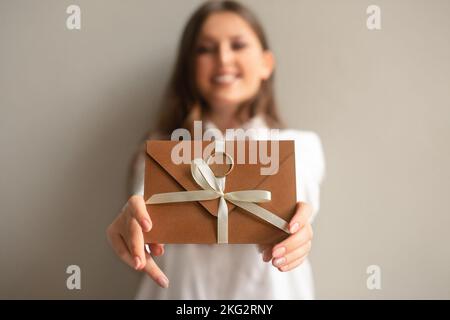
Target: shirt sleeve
column 138, row 170
column 309, row 168
column 137, row 181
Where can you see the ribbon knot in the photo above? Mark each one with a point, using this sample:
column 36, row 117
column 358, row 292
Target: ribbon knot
column 213, row 188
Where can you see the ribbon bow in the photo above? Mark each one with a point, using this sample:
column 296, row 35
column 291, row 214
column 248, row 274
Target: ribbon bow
column 213, row 188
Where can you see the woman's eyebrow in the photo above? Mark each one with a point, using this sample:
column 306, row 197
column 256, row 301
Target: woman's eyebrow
column 207, row 38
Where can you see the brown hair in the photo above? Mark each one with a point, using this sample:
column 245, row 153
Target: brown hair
column 183, row 104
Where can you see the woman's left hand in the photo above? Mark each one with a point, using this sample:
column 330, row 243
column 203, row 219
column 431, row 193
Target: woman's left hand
column 291, row 252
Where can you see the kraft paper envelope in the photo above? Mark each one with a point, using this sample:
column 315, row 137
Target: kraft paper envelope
column 196, row 221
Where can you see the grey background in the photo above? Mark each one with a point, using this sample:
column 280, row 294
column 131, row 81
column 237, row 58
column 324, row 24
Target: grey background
column 74, row 105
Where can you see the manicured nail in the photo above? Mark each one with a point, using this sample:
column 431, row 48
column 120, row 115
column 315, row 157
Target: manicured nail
column 278, row 262
column 137, row 262
column 146, row 225
column 163, row 282
column 279, row 252
column 284, row 268
column 294, row 228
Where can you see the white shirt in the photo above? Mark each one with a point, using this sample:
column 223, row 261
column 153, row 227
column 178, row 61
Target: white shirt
column 225, row 271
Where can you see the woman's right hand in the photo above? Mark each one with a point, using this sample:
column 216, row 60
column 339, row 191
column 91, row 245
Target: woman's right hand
column 125, row 234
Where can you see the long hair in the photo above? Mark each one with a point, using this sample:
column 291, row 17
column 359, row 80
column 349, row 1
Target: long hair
column 183, row 104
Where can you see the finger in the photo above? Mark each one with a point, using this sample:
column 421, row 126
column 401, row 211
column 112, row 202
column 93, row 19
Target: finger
column 261, row 248
column 118, row 244
column 135, row 243
column 156, row 249
column 264, row 247
column 267, row 254
column 152, row 269
column 292, row 265
column 301, row 217
column 266, row 251
column 296, row 254
column 139, row 211
column 293, row 241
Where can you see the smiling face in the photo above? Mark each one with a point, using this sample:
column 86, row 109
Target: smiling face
column 230, row 62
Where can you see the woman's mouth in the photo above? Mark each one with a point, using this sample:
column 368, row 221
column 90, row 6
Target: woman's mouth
column 225, row 79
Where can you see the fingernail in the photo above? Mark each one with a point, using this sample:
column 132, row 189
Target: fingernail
column 137, row 262
column 294, row 228
column 279, row 252
column 163, row 282
column 146, row 225
column 278, row 262
column 284, row 268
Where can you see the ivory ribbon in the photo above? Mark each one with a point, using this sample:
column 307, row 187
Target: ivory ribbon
column 213, row 188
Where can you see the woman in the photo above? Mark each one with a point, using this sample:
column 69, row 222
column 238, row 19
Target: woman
column 224, row 76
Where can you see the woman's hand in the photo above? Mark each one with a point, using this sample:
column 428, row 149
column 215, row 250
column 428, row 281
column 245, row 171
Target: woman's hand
column 291, row 252
column 125, row 234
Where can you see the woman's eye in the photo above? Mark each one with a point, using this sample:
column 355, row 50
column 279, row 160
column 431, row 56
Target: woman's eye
column 204, row 49
column 238, row 45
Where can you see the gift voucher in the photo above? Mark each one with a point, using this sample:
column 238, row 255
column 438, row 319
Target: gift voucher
column 219, row 191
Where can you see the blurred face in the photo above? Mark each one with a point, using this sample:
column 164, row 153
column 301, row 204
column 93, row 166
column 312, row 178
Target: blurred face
column 230, row 62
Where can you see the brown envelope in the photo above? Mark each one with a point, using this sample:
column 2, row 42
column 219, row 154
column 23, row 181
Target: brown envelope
column 196, row 222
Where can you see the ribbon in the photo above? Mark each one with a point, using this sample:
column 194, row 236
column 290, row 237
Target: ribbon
column 213, row 188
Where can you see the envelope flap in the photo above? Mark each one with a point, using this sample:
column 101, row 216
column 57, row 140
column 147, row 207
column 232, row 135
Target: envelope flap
column 244, row 176
column 249, row 176
column 161, row 152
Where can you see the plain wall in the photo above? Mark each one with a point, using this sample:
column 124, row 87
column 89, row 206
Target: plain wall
column 75, row 104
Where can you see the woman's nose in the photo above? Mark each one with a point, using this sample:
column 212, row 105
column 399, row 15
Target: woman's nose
column 225, row 54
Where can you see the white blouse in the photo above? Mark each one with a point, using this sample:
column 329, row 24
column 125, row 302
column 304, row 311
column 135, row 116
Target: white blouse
column 221, row 271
